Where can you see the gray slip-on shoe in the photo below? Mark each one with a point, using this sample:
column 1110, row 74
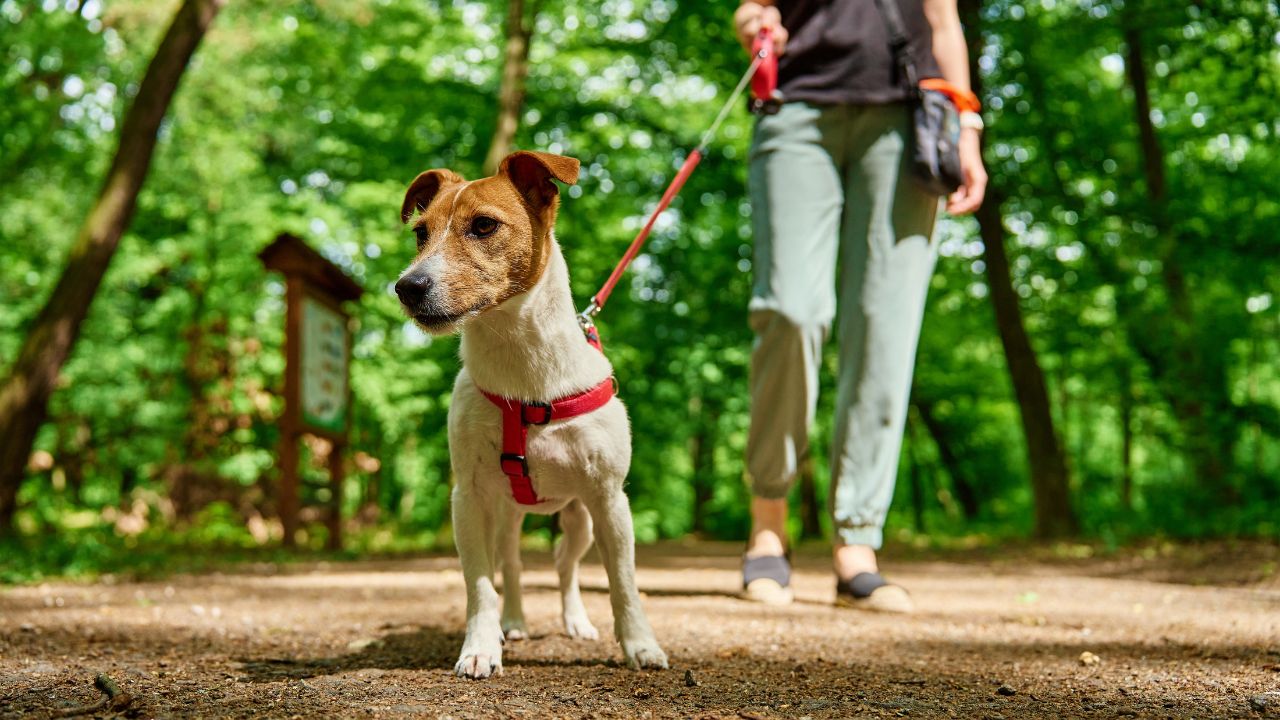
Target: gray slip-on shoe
column 767, row 579
column 870, row 591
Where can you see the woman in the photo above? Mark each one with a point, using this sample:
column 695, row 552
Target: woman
column 828, row 182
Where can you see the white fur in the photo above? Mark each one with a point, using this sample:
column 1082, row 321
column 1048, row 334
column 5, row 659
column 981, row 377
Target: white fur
column 433, row 267
column 531, row 348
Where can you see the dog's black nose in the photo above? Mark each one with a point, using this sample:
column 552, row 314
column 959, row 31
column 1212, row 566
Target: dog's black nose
column 412, row 289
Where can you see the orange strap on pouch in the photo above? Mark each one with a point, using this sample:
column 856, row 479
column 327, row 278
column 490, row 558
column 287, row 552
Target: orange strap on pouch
column 964, row 100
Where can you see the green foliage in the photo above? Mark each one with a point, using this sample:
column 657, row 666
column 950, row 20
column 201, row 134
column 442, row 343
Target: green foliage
column 217, row 537
column 311, row 117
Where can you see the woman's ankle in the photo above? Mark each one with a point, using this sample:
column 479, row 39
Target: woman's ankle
column 768, row 527
column 765, row 542
column 849, row 560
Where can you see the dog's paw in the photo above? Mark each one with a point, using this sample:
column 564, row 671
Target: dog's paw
column 580, row 628
column 513, row 630
column 644, row 654
column 478, row 666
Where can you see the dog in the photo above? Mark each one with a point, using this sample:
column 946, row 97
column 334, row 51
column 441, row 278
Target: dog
column 488, row 266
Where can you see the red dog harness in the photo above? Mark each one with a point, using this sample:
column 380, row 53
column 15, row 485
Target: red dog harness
column 517, row 416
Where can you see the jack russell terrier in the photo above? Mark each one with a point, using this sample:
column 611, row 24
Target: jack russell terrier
column 534, row 425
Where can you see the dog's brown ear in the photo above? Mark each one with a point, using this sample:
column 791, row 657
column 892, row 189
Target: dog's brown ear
column 424, row 189
column 532, row 172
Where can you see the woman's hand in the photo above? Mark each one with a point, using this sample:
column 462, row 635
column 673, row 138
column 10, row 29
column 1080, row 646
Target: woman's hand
column 751, row 16
column 969, row 197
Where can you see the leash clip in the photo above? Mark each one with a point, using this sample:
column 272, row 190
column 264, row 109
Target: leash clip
column 585, row 317
column 588, row 326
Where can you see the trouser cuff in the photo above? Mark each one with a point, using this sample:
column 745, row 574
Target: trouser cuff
column 770, row 490
column 862, row 535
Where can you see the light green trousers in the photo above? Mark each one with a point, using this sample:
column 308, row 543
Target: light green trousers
column 831, row 192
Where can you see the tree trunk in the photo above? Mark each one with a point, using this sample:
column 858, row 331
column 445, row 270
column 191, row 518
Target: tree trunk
column 915, row 475
column 703, row 482
column 1126, row 438
column 960, row 483
column 73, row 445
column 1152, row 157
column 1194, row 381
column 128, row 481
column 1255, row 362
column 24, row 398
column 515, row 70
column 702, row 458
column 810, row 508
column 1050, row 481
column 1063, row 422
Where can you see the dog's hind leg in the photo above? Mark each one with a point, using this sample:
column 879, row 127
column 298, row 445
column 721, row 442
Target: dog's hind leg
column 612, row 515
column 474, row 535
column 573, row 544
column 510, row 522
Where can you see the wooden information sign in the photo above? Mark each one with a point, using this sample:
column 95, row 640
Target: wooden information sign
column 317, row 394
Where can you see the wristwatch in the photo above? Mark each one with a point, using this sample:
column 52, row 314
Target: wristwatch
column 970, row 119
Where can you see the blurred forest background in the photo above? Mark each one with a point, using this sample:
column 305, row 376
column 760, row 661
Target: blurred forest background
column 1098, row 357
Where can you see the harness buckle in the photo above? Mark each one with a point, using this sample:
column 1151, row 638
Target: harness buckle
column 546, row 412
column 522, row 469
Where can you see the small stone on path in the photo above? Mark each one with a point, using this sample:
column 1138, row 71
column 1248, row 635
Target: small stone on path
column 1267, row 702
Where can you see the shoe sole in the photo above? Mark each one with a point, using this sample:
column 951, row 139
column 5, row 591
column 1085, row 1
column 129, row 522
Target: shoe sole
column 768, row 592
column 885, row 599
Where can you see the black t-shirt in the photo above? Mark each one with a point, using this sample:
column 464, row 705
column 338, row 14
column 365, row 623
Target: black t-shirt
column 838, row 51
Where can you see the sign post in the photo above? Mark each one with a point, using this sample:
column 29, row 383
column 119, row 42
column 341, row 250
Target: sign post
column 317, row 394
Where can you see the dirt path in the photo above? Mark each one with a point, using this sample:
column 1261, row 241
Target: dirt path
column 992, row 639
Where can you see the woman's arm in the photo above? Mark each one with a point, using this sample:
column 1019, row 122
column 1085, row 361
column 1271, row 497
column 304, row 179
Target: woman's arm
column 952, row 54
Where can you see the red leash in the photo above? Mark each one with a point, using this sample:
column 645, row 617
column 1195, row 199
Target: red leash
column 518, row 415
column 598, row 300
column 764, row 85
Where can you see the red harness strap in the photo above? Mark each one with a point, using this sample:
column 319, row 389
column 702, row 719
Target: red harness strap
column 518, row 416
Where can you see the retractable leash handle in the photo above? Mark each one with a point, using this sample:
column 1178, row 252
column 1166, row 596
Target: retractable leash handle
column 764, row 83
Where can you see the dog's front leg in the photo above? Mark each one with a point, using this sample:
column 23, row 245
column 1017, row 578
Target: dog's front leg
column 510, row 522
column 473, row 533
column 616, row 539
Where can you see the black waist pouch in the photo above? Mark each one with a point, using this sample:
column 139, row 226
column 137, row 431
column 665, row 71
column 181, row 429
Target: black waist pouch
column 935, row 124
column 935, row 142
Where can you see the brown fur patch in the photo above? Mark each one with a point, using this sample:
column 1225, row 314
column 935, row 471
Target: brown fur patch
column 483, row 271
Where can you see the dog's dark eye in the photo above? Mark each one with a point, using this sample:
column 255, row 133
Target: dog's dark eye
column 420, row 232
column 483, row 227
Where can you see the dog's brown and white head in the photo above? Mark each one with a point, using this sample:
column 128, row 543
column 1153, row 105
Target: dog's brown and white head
column 479, row 242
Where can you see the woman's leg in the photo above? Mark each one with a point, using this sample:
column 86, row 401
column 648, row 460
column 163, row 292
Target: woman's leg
column 888, row 256
column 797, row 199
